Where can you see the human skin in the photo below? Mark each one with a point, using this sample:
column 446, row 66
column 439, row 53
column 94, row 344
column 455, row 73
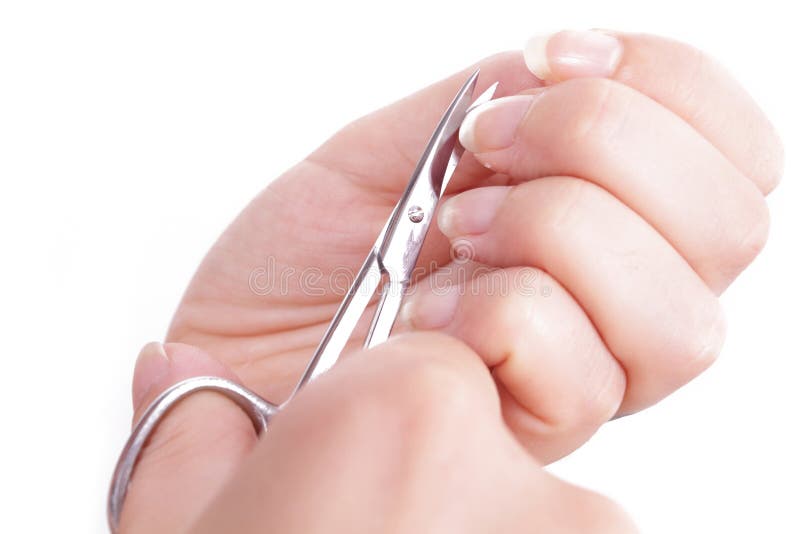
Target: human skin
column 629, row 177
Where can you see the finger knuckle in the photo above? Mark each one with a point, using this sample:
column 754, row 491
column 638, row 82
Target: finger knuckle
column 603, row 395
column 582, row 410
column 769, row 162
column 602, row 379
column 704, row 344
column 760, row 153
column 749, row 241
column 685, row 90
column 569, row 197
column 601, row 114
column 520, row 331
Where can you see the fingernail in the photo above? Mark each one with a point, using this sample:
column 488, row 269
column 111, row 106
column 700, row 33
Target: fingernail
column 151, row 366
column 471, row 212
column 493, row 125
column 432, row 307
column 573, row 54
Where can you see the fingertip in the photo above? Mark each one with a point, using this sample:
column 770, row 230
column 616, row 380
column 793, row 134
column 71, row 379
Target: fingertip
column 151, row 366
column 573, row 54
column 471, row 212
column 431, row 307
column 159, row 366
column 493, row 126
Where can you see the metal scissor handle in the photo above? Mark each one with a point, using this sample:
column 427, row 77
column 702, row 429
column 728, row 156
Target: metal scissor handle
column 394, row 256
column 259, row 411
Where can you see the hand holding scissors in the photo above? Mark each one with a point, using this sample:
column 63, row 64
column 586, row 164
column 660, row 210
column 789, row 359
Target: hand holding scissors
column 611, row 175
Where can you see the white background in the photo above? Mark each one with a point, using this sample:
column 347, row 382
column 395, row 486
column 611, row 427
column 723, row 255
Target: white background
column 131, row 133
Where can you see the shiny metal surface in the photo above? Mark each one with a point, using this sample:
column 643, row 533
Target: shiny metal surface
column 254, row 406
column 416, row 214
column 344, row 321
column 393, row 258
column 386, row 313
column 398, row 246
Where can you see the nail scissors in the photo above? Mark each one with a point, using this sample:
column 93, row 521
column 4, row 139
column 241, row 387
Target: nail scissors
column 392, row 258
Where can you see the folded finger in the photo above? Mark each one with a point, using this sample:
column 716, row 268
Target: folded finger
column 639, row 151
column 656, row 316
column 558, row 382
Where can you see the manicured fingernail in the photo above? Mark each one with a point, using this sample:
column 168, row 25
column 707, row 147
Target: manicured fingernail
column 471, row 212
column 573, row 54
column 493, row 126
column 151, row 366
column 432, row 307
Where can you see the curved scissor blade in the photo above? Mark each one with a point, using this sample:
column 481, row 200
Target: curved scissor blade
column 344, row 321
column 444, row 151
column 398, row 245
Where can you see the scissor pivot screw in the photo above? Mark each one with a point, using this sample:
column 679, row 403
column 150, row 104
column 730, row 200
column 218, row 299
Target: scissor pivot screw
column 416, row 214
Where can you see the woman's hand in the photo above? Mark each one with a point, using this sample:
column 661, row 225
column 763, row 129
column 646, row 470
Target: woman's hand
column 407, row 437
column 632, row 181
column 614, row 201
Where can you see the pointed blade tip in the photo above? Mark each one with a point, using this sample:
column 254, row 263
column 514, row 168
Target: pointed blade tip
column 484, row 97
column 472, row 81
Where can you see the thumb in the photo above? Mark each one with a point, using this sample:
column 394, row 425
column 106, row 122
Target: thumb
column 193, row 451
